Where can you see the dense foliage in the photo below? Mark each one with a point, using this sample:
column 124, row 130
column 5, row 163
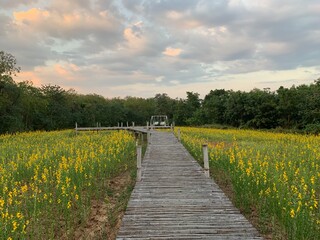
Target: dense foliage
column 25, row 107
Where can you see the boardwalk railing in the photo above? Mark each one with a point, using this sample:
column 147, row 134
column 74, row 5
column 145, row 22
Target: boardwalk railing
column 142, row 129
column 139, row 158
column 174, row 199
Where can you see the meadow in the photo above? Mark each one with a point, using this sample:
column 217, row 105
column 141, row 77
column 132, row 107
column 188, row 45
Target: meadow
column 48, row 179
column 273, row 178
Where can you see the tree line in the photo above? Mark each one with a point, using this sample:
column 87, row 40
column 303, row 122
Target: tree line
column 24, row 107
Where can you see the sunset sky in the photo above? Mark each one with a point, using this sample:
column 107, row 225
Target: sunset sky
column 118, row 48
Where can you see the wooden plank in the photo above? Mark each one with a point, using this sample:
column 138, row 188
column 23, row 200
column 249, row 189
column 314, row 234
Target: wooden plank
column 137, row 129
column 133, row 129
column 175, row 200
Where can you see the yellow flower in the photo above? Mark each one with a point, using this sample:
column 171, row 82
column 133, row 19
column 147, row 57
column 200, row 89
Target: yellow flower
column 19, row 215
column 268, row 191
column 24, row 188
column 1, row 203
column 312, row 179
column 14, row 226
column 285, row 177
column 292, row 213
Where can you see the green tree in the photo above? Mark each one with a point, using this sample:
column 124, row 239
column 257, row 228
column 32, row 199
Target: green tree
column 261, row 109
column 164, row 105
column 118, row 112
column 288, row 102
column 8, row 64
column 33, row 106
column 235, row 114
column 189, row 112
column 139, row 110
column 309, row 103
column 56, row 107
column 214, row 106
column 10, row 110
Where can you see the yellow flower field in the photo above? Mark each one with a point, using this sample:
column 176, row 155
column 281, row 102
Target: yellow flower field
column 47, row 178
column 278, row 175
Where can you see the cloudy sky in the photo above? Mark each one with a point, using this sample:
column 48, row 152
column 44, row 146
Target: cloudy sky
column 143, row 47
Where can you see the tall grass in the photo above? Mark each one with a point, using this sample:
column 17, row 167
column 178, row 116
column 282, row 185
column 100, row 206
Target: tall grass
column 47, row 179
column 277, row 175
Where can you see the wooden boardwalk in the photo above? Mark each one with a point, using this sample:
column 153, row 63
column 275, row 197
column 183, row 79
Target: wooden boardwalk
column 137, row 129
column 175, row 200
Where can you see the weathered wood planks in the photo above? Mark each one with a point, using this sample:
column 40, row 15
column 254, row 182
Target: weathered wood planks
column 133, row 129
column 137, row 129
column 174, row 199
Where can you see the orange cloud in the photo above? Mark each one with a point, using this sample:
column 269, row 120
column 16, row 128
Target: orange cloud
column 135, row 42
column 182, row 21
column 31, row 16
column 29, row 76
column 44, row 20
column 172, row 52
column 66, row 70
column 60, row 70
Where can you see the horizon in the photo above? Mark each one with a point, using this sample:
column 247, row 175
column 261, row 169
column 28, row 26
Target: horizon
column 201, row 97
column 141, row 48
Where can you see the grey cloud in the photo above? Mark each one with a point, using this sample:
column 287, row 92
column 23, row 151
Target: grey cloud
column 110, row 30
column 9, row 4
column 278, row 81
column 95, row 29
column 70, row 5
column 209, row 33
column 29, row 54
column 247, row 29
column 133, row 5
column 215, row 13
column 4, row 25
column 165, row 5
column 287, row 25
column 205, row 49
column 27, row 48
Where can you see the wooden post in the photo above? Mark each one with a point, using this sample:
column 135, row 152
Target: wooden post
column 132, row 124
column 139, row 173
column 179, row 135
column 127, row 124
column 205, row 160
column 149, row 137
column 76, row 128
column 118, row 124
column 147, row 125
column 140, row 138
column 122, row 124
